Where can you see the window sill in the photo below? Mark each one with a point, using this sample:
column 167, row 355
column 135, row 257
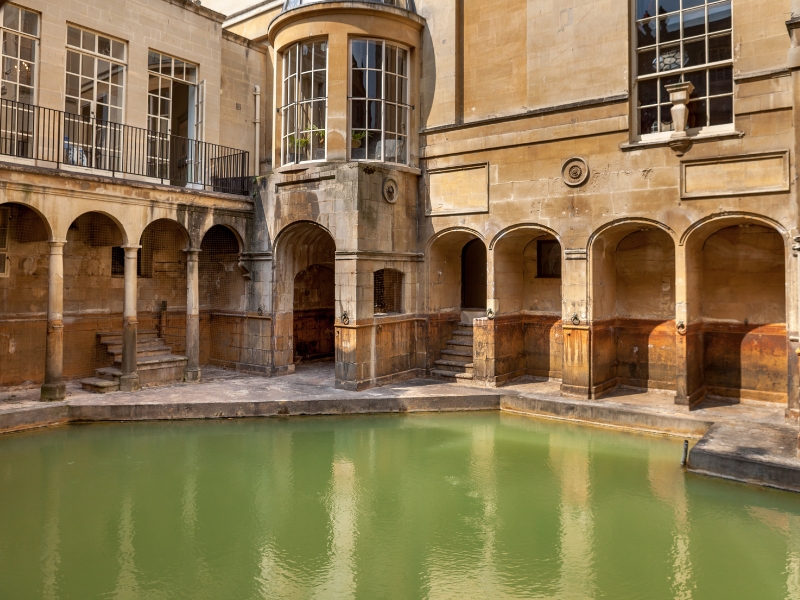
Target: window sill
column 695, row 139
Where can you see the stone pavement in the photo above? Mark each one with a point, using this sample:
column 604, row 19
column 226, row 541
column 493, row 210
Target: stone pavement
column 749, row 442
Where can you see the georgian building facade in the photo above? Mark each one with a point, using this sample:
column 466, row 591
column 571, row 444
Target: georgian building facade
column 599, row 193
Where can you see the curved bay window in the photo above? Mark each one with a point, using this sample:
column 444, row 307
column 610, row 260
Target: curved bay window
column 379, row 114
column 679, row 41
column 305, row 104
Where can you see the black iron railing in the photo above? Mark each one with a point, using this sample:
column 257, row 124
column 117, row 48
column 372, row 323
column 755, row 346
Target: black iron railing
column 43, row 134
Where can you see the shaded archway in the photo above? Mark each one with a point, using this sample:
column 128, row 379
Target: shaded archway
column 304, row 294
column 632, row 308
column 447, row 266
column 93, row 295
column 24, row 268
column 473, row 276
column 739, row 292
column 222, row 298
column 526, row 294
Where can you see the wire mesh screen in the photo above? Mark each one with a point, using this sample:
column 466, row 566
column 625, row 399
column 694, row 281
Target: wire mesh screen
column 25, row 255
column 388, row 289
column 222, row 289
column 93, row 297
column 161, row 271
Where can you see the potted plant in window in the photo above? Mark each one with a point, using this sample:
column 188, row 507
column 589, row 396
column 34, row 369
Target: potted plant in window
column 356, row 138
column 320, row 133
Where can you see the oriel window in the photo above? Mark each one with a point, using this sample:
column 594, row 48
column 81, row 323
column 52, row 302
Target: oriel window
column 678, row 41
column 379, row 110
column 305, row 101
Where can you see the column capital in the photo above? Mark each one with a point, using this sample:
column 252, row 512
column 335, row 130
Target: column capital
column 56, row 244
column 192, row 252
column 131, row 247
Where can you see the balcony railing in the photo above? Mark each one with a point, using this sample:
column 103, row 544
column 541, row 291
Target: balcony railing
column 46, row 135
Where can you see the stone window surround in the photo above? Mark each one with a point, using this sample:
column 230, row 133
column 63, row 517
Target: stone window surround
column 707, row 132
column 400, row 105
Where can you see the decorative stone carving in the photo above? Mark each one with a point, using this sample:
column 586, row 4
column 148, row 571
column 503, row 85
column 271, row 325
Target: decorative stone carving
column 575, row 171
column 391, row 191
column 679, row 94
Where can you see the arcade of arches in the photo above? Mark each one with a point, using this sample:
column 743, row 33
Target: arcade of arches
column 700, row 316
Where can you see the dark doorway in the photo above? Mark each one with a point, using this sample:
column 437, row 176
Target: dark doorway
column 473, row 276
column 313, row 306
column 179, row 147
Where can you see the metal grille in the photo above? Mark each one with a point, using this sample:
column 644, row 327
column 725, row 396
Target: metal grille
column 388, row 287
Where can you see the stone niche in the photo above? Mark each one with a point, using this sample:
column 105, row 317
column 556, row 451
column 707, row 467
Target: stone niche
column 735, row 175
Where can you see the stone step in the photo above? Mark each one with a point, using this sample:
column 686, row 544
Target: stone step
column 458, row 351
column 99, row 386
column 160, row 359
column 462, row 343
column 451, row 375
column 463, row 333
column 115, row 337
column 108, row 373
column 155, row 347
column 454, row 365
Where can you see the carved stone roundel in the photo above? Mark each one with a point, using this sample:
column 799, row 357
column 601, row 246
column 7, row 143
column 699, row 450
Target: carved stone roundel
column 575, row 171
column 391, row 191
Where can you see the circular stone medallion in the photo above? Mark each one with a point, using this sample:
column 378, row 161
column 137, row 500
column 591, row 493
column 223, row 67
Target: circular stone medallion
column 575, row 171
column 391, row 191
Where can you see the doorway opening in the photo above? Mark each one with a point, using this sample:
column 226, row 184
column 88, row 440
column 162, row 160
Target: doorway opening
column 473, row 276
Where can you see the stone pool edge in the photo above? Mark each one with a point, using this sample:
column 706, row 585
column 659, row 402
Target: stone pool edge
column 718, row 453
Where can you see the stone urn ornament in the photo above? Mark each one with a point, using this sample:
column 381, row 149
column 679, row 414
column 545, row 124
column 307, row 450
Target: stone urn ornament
column 679, row 94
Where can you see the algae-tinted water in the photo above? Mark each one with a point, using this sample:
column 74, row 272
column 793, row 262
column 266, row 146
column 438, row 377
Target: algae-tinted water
column 474, row 505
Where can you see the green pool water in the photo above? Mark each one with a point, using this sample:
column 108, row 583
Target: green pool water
column 474, row 505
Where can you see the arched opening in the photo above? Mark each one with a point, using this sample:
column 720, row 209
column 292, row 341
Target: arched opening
column 473, row 276
column 527, row 299
column 222, row 299
column 24, row 266
column 305, row 294
column 93, row 296
column 633, row 309
column 161, row 271
column 743, row 309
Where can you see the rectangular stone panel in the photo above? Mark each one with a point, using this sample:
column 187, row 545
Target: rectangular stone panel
column 735, row 175
column 458, row 190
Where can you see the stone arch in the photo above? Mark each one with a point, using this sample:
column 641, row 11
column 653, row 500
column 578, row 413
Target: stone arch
column 24, row 270
column 632, row 288
column 444, row 257
column 736, row 316
column 93, row 292
column 123, row 230
column 305, row 293
column 227, row 225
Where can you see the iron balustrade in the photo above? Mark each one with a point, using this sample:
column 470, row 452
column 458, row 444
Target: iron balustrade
column 54, row 136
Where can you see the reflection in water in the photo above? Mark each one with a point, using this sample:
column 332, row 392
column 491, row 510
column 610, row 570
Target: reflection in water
column 418, row 506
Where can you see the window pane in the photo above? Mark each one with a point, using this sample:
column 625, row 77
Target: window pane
column 692, row 3
column 27, row 49
column 665, row 6
column 359, row 84
column 104, row 46
column 102, row 92
column 87, row 89
column 306, row 56
column 402, row 62
column 391, row 88
column 25, row 73
column 374, row 115
column 359, row 57
column 698, row 78
column 373, row 84
column 647, row 62
column 669, row 58
column 374, row 55
column 697, row 114
column 153, row 61
column 721, row 110
column 73, row 63
column 11, row 17
column 74, row 37
column 30, row 23
column 25, row 94
column 391, row 58
column 178, row 74
column 291, row 86
column 118, row 50
column 719, row 16
column 165, row 87
column 665, row 81
column 391, row 118
column 669, row 28
column 359, row 116
column 358, row 145
column 402, row 90
column 102, row 112
column 373, row 145
column 648, row 92
column 164, row 108
column 320, row 55
column 191, row 73
column 116, row 74
column 166, row 65
column 103, row 70
column 73, row 85
column 719, row 48
column 10, row 44
column 116, row 95
column 10, row 67
column 152, row 105
column 694, row 22
column 115, row 115
column 402, row 126
column 720, row 81
column 390, row 149
column 9, row 91
column 645, row 8
column 304, row 116
column 402, row 155
column 305, row 86
column 320, row 84
column 695, row 53
column 291, row 68
column 71, row 106
column 87, row 66
column 666, row 118
column 648, row 120
column 318, row 118
column 88, row 41
column 646, row 33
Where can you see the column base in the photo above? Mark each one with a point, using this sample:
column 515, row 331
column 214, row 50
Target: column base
column 52, row 392
column 129, row 383
column 191, row 375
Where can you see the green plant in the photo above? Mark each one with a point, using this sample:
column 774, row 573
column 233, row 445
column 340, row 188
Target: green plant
column 359, row 135
column 320, row 133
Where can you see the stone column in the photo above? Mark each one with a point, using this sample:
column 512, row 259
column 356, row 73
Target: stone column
column 54, row 387
column 679, row 94
column 129, row 381
column 576, row 376
column 192, row 373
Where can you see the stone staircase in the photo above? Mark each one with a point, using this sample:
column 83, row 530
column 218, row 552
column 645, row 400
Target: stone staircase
column 156, row 364
column 455, row 362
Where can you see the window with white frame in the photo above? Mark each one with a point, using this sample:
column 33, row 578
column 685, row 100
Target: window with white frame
column 305, row 101
column 5, row 226
column 20, row 40
column 379, row 110
column 679, row 41
column 95, row 75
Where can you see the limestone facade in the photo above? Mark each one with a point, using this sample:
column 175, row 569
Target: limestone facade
column 601, row 193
